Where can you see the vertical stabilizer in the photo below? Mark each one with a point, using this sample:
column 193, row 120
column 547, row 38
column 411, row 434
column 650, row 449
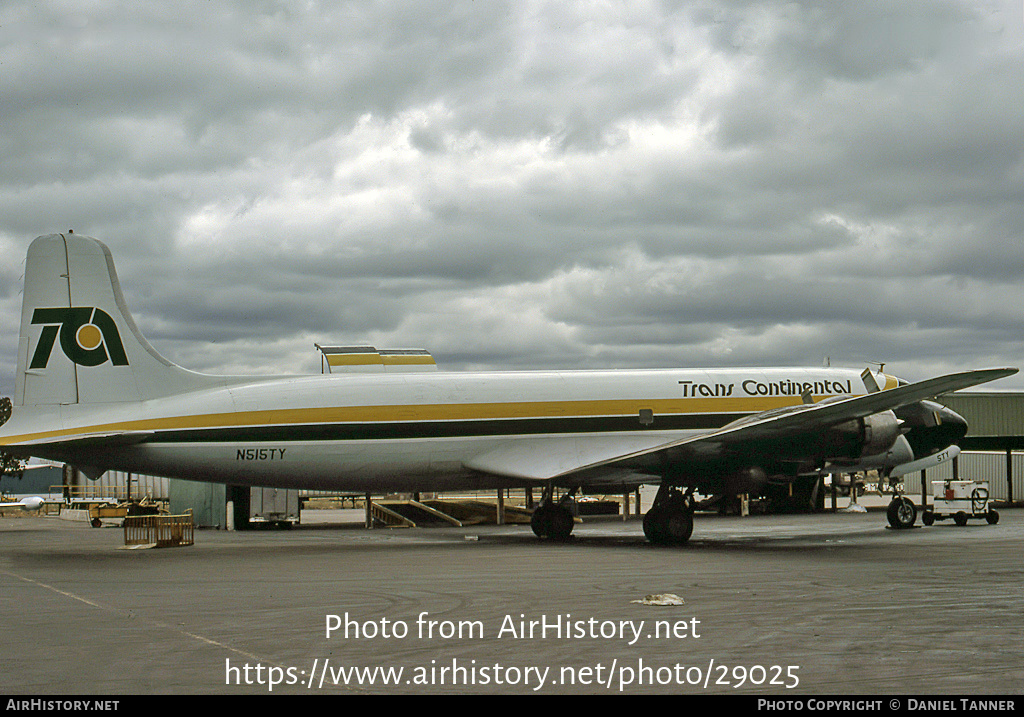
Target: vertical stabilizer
column 78, row 343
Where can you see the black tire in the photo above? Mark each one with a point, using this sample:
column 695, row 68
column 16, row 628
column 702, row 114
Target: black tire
column 960, row 518
column 902, row 513
column 992, row 517
column 679, row 526
column 553, row 522
column 539, row 522
column 670, row 525
column 560, row 524
column 928, row 517
column 654, row 525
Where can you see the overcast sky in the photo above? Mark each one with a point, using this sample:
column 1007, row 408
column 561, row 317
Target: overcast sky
column 526, row 184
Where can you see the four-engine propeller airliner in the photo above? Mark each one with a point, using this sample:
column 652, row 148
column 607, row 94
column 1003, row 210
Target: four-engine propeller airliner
column 92, row 392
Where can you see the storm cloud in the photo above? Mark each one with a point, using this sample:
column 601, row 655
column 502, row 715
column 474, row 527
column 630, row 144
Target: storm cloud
column 530, row 184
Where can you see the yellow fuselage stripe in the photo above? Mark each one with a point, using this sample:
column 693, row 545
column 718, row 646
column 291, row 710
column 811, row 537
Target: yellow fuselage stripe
column 426, row 412
column 355, row 360
column 408, row 360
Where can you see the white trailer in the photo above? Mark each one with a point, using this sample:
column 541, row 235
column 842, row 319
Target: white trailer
column 275, row 506
column 959, row 500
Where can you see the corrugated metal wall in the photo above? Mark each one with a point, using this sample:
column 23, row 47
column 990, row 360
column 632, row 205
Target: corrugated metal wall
column 114, row 484
column 142, row 485
column 989, row 414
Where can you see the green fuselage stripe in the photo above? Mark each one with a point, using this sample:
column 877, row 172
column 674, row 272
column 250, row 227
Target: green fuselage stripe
column 441, row 429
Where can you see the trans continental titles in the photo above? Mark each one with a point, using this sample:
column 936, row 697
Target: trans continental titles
column 752, row 387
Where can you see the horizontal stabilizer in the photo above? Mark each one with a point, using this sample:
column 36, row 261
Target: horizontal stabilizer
column 364, row 359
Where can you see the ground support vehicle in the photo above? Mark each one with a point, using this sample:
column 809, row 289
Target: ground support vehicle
column 959, row 500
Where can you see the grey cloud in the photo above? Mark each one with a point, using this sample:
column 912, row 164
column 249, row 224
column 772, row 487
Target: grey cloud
column 530, row 185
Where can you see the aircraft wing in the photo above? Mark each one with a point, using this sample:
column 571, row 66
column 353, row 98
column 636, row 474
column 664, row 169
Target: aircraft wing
column 781, row 423
column 589, row 458
column 798, row 419
column 546, row 457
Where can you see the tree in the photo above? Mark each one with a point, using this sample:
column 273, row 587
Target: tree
column 9, row 465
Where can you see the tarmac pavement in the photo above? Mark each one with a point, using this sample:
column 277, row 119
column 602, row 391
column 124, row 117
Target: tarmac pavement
column 784, row 606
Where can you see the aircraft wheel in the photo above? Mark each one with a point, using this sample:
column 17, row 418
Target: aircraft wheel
column 679, row 526
column 539, row 521
column 654, row 525
column 992, row 517
column 960, row 518
column 560, row 523
column 553, row 522
column 901, row 513
column 928, row 517
column 668, row 525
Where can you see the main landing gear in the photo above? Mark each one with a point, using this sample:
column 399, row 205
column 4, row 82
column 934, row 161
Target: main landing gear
column 670, row 519
column 551, row 520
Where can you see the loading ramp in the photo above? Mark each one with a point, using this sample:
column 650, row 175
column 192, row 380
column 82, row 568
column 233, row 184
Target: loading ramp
column 413, row 513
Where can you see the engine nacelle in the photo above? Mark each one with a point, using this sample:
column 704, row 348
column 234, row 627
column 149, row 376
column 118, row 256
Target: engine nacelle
column 868, row 436
column 880, row 433
column 745, row 480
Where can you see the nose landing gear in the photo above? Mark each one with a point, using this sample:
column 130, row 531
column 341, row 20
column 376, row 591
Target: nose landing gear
column 902, row 513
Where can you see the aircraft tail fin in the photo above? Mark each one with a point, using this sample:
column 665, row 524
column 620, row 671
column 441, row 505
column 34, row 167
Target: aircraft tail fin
column 78, row 342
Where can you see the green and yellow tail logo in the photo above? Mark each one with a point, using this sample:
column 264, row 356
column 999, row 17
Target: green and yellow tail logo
column 88, row 336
